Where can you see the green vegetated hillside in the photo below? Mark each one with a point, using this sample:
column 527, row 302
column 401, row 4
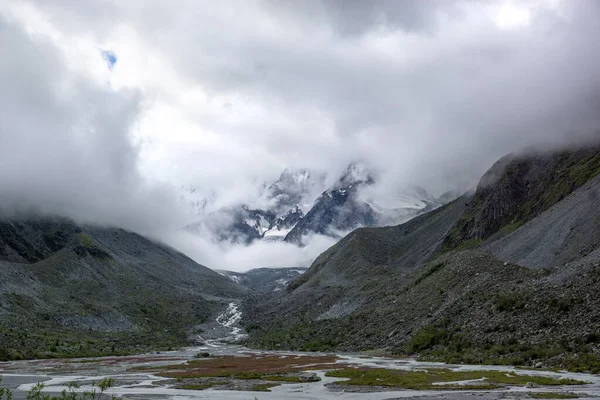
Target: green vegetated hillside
column 67, row 289
column 506, row 275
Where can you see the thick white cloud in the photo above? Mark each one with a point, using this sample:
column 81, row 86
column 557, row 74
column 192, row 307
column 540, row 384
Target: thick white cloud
column 256, row 255
column 224, row 95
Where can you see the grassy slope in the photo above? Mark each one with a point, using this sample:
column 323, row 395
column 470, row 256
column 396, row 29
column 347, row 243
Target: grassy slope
column 105, row 291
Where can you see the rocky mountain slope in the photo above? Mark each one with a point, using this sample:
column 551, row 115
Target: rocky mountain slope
column 72, row 289
column 507, row 275
column 517, row 189
column 265, row 280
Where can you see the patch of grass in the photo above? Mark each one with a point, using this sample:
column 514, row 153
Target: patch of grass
column 428, row 272
column 509, row 303
column 562, row 304
column 263, row 387
column 281, row 378
column 510, row 228
column 425, row 339
column 433, row 337
column 198, row 386
column 553, row 395
column 583, row 362
column 581, row 173
column 425, row 379
column 86, row 241
column 469, row 244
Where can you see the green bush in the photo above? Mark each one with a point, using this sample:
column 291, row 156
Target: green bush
column 428, row 272
column 509, row 303
column 86, row 241
column 96, row 393
column 5, row 393
column 563, row 305
column 425, row 339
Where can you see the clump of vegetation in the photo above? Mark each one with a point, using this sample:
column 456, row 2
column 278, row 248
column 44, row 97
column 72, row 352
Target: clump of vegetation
column 96, row 393
column 204, row 354
column 305, row 336
column 452, row 340
column 509, row 303
column 428, row 272
column 553, row 395
column 561, row 304
column 425, row 339
column 199, row 386
column 263, row 387
column 5, row 394
column 583, row 362
column 425, row 379
column 510, row 228
column 592, row 337
column 86, row 241
column 469, row 244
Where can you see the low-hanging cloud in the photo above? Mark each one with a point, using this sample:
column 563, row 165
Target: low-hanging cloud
column 223, row 97
column 235, row 257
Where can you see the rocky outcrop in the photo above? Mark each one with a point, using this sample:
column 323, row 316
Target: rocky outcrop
column 308, row 377
column 519, row 188
column 334, row 213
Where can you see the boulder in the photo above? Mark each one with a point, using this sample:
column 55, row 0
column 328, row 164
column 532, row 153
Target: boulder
column 308, row 377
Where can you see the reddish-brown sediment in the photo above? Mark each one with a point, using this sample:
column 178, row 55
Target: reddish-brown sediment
column 231, row 365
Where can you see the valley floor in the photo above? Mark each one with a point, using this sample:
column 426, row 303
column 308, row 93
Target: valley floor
column 164, row 375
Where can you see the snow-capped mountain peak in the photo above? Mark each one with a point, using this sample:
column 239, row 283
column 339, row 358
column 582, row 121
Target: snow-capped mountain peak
column 294, row 186
column 356, row 173
column 284, row 224
column 299, row 205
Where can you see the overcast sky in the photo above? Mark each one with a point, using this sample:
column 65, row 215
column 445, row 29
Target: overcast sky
column 107, row 105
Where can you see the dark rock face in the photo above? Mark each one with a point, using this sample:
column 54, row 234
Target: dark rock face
column 235, row 225
column 284, row 224
column 33, row 241
column 289, row 219
column 529, row 292
column 565, row 232
column 517, row 189
column 292, row 187
column 336, row 211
